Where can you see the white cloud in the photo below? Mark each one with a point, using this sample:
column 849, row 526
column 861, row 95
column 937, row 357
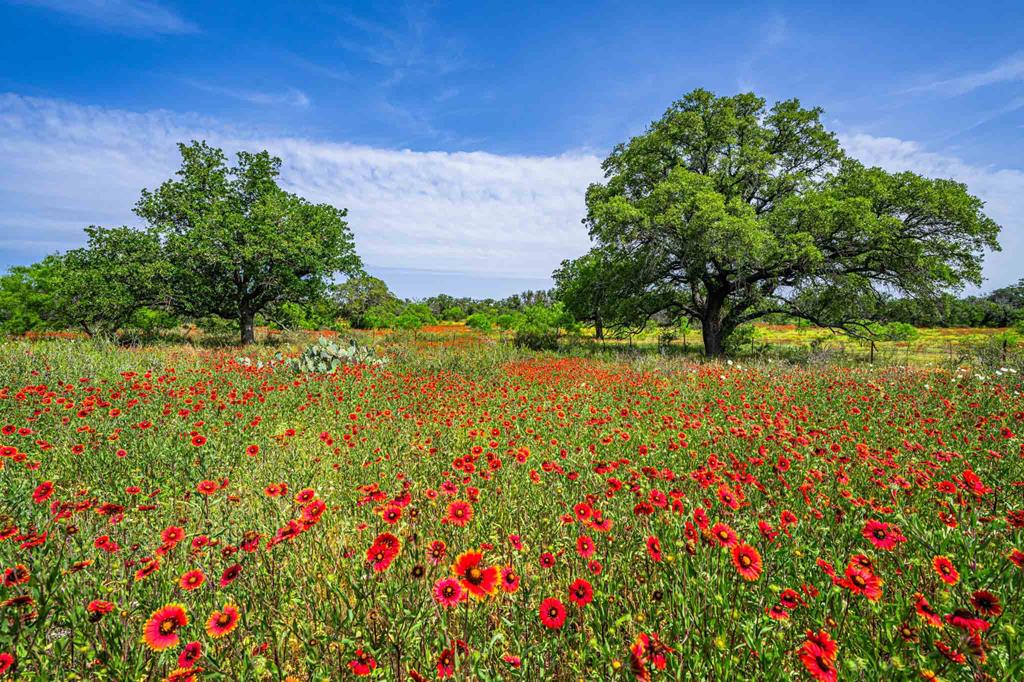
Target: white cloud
column 1002, row 190
column 64, row 166
column 143, row 17
column 1010, row 69
column 291, row 96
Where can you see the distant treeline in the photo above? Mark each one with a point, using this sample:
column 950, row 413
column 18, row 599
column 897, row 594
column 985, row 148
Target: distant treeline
column 1003, row 307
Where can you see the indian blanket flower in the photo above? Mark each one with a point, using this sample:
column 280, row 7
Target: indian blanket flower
column 818, row 654
column 161, row 630
column 190, row 655
column 724, row 535
column 581, row 592
column 436, row 552
column 926, row 612
column 863, row 581
column 16, row 575
column 552, row 613
column 43, row 492
column 986, row 603
column 192, row 580
column 747, row 561
column 363, row 664
column 585, row 546
column 648, row 651
column 448, row 592
column 383, row 551
column 478, row 580
column 460, row 513
column 947, row 572
column 223, row 622
column 654, row 548
column 230, row 574
column 882, row 535
column 509, row 580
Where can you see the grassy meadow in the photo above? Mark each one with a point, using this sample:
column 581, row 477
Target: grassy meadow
column 471, row 511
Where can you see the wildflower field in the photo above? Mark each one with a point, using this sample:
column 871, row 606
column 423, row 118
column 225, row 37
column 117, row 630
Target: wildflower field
column 473, row 512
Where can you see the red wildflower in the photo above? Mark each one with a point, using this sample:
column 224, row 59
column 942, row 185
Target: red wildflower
column 161, row 630
column 448, row 592
column 552, row 613
column 947, row 572
column 363, row 664
column 747, row 561
column 863, row 581
column 882, row 535
column 43, row 492
column 654, row 548
column 190, row 655
column 459, row 513
column 229, row 574
column 223, row 622
column 581, row 592
column 477, row 580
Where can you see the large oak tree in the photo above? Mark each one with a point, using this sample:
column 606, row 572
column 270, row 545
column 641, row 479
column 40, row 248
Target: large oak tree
column 726, row 211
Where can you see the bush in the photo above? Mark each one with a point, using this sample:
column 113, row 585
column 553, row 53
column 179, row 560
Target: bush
column 540, row 326
column 740, row 339
column 480, row 321
column 453, row 314
column 898, row 331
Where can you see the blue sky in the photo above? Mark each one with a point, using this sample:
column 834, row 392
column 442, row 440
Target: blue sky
column 461, row 136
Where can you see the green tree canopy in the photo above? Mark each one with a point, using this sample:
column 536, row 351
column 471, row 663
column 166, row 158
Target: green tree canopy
column 238, row 242
column 358, row 294
column 726, row 211
column 101, row 286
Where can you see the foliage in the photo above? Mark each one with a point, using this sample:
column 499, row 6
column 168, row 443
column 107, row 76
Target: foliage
column 318, row 314
column 726, row 212
column 506, row 321
column 102, row 286
column 26, row 297
column 741, row 338
column 238, row 243
column 453, row 314
column 897, row 331
column 357, row 295
column 480, row 321
column 541, row 325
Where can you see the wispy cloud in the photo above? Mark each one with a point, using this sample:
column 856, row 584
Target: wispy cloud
column 134, row 17
column 318, row 69
column 772, row 34
column 65, row 166
column 1007, row 70
column 291, row 96
column 408, row 55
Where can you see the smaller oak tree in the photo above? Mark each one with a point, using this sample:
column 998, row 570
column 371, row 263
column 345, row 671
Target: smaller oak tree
column 238, row 242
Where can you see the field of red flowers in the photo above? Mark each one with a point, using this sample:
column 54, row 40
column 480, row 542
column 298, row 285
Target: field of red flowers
column 178, row 515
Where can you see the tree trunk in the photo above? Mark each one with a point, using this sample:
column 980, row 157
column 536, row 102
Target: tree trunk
column 599, row 329
column 711, row 329
column 245, row 319
column 711, row 326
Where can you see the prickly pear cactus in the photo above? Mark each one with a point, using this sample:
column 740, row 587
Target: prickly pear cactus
column 326, row 356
